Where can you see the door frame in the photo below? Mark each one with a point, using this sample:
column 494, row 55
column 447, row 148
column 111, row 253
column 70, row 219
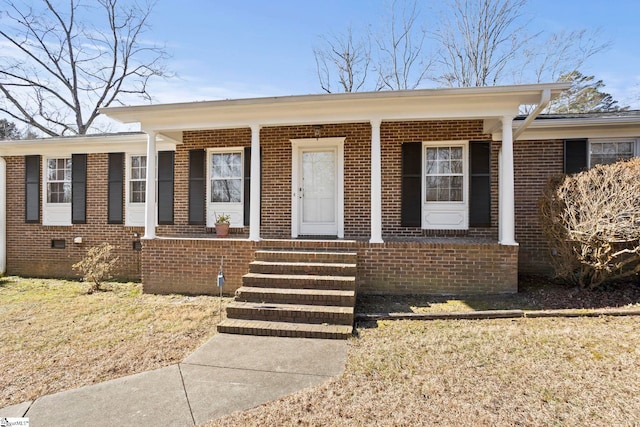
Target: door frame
column 297, row 147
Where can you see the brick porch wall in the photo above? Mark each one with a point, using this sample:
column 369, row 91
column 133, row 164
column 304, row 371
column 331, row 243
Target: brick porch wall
column 190, row 266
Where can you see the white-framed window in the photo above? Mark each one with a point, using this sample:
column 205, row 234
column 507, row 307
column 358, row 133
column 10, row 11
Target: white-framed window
column 444, row 174
column 225, row 185
column 136, row 187
column 607, row 151
column 57, row 195
column 137, row 180
column 445, row 177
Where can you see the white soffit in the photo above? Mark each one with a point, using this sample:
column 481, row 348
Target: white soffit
column 434, row 104
column 113, row 143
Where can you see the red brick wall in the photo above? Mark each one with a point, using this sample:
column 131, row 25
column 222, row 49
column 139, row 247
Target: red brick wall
column 437, row 268
column 534, row 162
column 392, row 135
column 196, row 140
column 29, row 251
column 190, row 266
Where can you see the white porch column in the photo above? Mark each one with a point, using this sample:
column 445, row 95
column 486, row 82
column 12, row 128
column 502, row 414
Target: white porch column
column 376, row 183
column 150, row 211
column 254, row 208
column 507, row 215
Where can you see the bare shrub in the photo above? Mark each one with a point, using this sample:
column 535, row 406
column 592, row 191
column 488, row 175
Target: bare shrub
column 97, row 265
column 592, row 223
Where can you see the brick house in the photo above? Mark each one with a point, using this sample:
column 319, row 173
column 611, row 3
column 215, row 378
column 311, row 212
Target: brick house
column 434, row 191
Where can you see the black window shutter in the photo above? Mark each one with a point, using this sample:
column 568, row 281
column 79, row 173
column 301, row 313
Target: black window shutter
column 196, row 186
column 480, row 184
column 411, row 204
column 115, row 195
column 575, row 155
column 165, row 187
column 247, row 184
column 32, row 188
column 78, row 188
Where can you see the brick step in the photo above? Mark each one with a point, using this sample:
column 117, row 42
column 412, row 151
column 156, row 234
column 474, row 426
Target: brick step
column 303, row 268
column 306, row 256
column 284, row 329
column 299, row 281
column 346, row 298
column 293, row 313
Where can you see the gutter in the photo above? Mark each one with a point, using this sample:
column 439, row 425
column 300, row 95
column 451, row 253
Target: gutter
column 545, row 97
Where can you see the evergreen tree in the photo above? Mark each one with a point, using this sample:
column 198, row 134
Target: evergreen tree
column 584, row 96
column 8, row 130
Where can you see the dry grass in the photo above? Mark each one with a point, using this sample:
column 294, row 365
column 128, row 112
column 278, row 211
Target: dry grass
column 529, row 372
column 55, row 337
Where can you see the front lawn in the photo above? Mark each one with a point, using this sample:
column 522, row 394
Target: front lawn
column 54, row 337
column 520, row 372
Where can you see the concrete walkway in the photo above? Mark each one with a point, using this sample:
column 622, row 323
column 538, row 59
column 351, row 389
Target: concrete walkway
column 227, row 374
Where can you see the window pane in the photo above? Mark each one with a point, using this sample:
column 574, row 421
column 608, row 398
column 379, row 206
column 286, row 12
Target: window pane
column 596, row 148
column 226, row 190
column 610, row 152
column 137, row 193
column 456, row 166
column 625, row 148
column 443, row 153
column 226, row 165
column 444, row 174
column 58, row 180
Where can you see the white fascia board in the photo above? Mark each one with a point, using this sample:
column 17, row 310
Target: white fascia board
column 352, row 107
column 84, row 145
column 578, row 128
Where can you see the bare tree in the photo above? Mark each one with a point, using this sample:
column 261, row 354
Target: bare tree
column 479, row 39
column 345, row 59
column 560, row 54
column 488, row 42
column 61, row 64
column 398, row 60
column 402, row 62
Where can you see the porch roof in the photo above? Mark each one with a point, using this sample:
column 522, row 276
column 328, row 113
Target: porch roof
column 425, row 104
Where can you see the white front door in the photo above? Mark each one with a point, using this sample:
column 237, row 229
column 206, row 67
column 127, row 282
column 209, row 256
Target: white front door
column 317, row 197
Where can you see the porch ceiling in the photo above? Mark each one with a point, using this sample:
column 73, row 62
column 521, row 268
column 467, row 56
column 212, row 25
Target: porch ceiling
column 425, row 104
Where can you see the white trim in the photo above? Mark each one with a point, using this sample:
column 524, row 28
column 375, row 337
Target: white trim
column 134, row 213
column 54, row 214
column 297, row 145
column 446, row 215
column 234, row 209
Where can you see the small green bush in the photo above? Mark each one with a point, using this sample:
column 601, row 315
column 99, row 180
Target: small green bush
column 97, row 265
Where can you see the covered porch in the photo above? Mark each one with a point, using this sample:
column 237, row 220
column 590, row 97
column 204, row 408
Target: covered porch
column 366, row 135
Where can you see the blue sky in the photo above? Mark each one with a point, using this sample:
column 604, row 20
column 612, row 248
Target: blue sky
column 246, row 48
